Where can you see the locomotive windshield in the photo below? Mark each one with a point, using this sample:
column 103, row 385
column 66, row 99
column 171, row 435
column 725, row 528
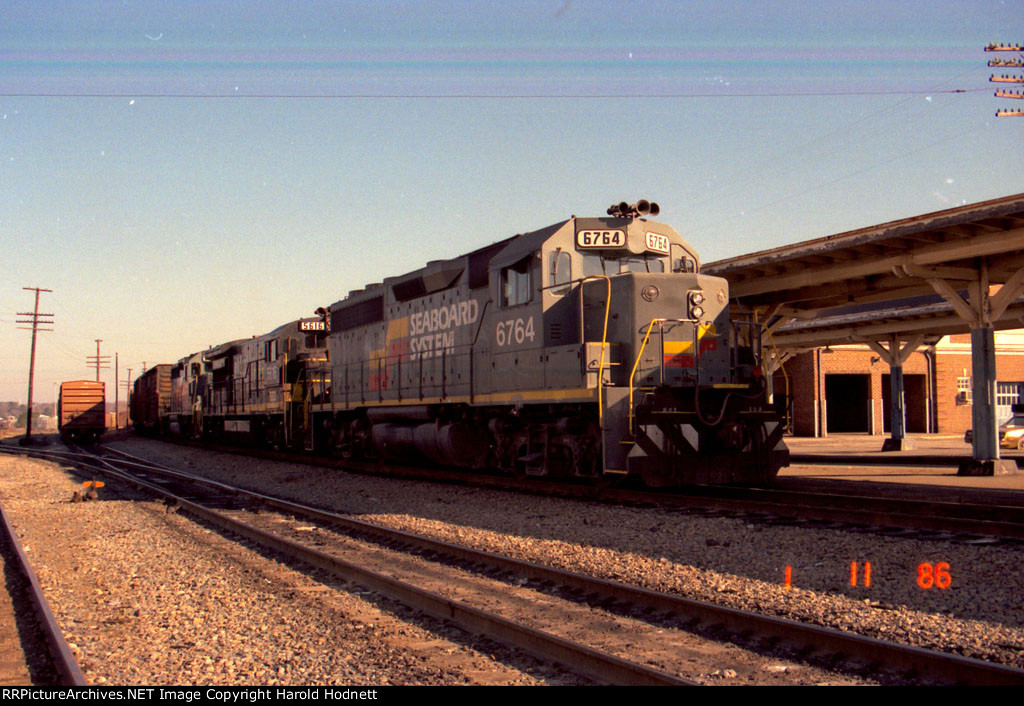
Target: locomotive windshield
column 601, row 265
column 642, row 264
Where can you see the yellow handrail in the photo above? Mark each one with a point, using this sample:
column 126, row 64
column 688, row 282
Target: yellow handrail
column 785, row 376
column 632, row 373
column 639, row 355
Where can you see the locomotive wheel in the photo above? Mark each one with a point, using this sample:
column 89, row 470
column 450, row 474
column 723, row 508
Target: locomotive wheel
column 340, row 445
column 274, row 437
column 607, row 481
column 342, row 451
column 519, row 467
column 525, row 460
column 561, row 462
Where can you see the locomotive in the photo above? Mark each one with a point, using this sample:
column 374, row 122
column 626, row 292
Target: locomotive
column 248, row 389
column 587, row 349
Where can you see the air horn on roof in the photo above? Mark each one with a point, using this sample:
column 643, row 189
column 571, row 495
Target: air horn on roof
column 641, row 208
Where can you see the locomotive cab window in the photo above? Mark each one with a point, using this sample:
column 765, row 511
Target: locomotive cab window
column 682, row 261
column 270, row 350
column 517, row 283
column 684, row 264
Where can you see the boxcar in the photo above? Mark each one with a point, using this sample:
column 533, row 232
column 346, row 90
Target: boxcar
column 151, row 398
column 81, row 410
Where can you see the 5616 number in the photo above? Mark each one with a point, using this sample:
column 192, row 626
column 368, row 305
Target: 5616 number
column 514, row 331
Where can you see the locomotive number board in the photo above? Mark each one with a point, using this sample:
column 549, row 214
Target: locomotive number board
column 600, row 239
column 312, row 325
column 657, row 243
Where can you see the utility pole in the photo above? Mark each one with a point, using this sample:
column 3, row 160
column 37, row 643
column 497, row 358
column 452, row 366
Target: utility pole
column 36, row 320
column 117, row 392
column 1016, row 62
column 101, row 362
column 128, row 394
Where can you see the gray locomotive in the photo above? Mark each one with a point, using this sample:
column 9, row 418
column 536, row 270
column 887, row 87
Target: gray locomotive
column 590, row 348
column 587, row 348
column 247, row 390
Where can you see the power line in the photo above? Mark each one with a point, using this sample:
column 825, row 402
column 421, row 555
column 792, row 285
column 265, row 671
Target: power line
column 483, row 96
column 849, row 175
column 750, row 173
column 823, row 142
column 66, row 352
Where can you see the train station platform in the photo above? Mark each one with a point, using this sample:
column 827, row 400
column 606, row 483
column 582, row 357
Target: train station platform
column 842, row 459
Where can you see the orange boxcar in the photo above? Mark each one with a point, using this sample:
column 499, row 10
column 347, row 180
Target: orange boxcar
column 81, row 410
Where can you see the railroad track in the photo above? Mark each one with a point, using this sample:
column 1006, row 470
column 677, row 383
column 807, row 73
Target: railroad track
column 927, row 519
column 256, row 518
column 62, row 661
column 869, row 653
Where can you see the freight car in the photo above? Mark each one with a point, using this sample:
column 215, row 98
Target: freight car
column 151, row 399
column 590, row 348
column 81, row 410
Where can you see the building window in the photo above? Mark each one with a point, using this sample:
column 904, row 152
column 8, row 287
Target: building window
column 1009, row 400
column 963, row 390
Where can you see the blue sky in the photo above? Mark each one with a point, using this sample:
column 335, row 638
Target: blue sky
column 186, row 173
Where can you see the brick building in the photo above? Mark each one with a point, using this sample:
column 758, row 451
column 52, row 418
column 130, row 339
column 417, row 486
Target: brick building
column 845, row 389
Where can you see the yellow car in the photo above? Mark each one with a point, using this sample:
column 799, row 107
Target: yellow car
column 1011, row 433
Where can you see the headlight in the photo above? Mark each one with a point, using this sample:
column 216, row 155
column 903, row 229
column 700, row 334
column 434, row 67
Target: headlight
column 695, row 299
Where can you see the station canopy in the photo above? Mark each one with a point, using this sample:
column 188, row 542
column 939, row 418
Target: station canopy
column 915, row 279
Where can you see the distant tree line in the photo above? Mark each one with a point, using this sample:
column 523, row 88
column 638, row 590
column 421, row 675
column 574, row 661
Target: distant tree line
column 20, row 411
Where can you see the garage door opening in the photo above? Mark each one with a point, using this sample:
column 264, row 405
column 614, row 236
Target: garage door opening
column 847, row 399
column 915, row 404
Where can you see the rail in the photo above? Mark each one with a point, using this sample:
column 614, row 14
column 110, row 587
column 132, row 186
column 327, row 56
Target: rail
column 591, row 662
column 929, row 663
column 63, row 661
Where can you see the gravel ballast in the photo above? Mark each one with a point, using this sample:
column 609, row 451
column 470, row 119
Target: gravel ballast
column 146, row 596
column 212, row 611
column 730, row 561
